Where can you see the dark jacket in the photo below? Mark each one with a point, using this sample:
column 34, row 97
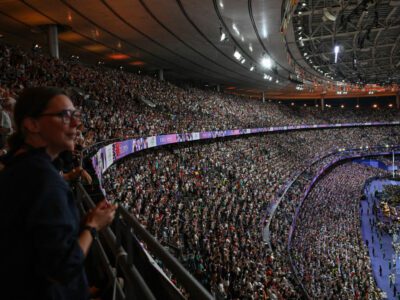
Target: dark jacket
column 40, row 257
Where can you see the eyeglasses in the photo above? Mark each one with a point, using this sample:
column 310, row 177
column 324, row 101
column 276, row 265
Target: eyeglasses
column 66, row 115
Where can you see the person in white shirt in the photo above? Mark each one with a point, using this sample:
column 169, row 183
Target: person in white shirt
column 5, row 129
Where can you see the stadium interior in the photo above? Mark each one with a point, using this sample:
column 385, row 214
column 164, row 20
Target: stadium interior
column 252, row 147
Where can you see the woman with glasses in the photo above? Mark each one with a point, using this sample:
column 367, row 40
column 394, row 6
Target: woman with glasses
column 43, row 246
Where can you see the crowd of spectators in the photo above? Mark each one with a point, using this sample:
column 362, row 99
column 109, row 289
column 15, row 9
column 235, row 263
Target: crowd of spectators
column 222, row 188
column 327, row 247
column 111, row 100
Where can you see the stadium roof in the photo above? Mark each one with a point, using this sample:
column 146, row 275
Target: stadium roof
column 245, row 46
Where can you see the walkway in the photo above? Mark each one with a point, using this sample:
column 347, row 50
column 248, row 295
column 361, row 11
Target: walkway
column 380, row 244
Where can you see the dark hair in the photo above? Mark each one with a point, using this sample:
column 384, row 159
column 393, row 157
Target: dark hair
column 31, row 103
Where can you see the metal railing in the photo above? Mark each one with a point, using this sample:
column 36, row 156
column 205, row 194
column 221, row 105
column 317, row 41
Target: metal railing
column 129, row 256
column 134, row 287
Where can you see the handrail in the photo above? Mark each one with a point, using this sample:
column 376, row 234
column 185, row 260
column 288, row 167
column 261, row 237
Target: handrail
column 192, row 286
column 130, row 272
column 196, row 290
column 273, row 207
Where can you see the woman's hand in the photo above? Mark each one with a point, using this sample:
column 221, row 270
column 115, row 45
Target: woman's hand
column 86, row 177
column 101, row 216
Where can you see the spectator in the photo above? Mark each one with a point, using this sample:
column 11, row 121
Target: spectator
column 5, row 129
column 43, row 247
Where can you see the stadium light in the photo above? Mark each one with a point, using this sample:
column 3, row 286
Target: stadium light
column 237, row 55
column 266, row 62
column 336, row 50
column 223, row 36
column 235, row 29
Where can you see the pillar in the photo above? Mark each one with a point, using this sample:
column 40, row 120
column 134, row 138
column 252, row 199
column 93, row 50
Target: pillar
column 218, row 88
column 322, row 103
column 53, row 40
column 263, row 97
column 398, row 101
column 161, row 74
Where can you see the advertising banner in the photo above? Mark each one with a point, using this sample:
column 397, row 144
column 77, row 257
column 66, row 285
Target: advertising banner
column 107, row 155
column 166, row 139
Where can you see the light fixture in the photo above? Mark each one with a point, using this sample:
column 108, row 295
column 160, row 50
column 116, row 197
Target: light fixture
column 266, row 76
column 235, row 29
column 252, row 68
column 237, row 55
column 266, row 62
column 223, row 36
column 336, row 50
column 243, row 60
column 251, row 48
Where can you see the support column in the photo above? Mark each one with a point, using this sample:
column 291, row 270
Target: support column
column 263, row 97
column 53, row 40
column 161, row 74
column 218, row 88
column 398, row 101
column 322, row 103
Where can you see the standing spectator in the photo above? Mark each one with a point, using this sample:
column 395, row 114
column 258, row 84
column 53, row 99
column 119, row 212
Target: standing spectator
column 5, row 129
column 43, row 247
